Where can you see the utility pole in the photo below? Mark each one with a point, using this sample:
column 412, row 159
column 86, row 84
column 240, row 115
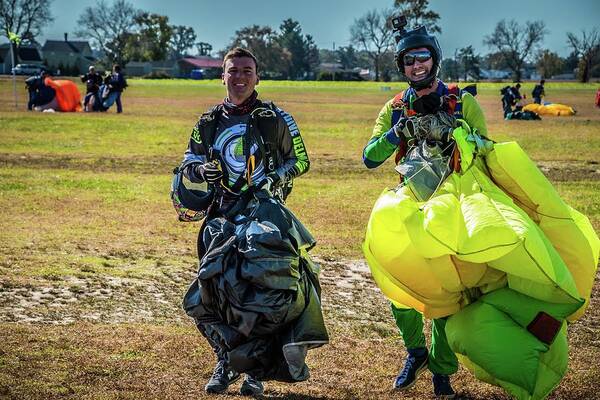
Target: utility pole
column 14, row 40
column 457, row 64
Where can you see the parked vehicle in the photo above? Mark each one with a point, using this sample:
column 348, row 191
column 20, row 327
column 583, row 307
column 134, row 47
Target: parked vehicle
column 197, row 74
column 27, row 69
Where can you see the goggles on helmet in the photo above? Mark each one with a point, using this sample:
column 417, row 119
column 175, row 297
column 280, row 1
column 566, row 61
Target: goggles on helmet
column 420, row 56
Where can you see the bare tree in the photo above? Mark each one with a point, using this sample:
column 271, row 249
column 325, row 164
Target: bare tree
column 24, row 18
column 417, row 13
column 587, row 47
column 373, row 33
column 109, row 27
column 516, row 42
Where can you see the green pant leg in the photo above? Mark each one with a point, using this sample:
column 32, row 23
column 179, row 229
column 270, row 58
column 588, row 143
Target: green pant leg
column 442, row 359
column 410, row 323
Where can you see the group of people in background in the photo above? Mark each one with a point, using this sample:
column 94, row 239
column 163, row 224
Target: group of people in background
column 101, row 91
column 512, row 100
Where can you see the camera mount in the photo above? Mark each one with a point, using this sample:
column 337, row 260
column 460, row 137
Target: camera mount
column 399, row 23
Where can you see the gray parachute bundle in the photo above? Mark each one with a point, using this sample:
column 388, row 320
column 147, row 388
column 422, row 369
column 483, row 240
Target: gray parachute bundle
column 426, row 163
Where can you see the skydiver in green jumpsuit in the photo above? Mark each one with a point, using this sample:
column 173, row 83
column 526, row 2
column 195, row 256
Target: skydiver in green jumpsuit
column 418, row 57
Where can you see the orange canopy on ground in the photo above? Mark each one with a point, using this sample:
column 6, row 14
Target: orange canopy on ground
column 67, row 94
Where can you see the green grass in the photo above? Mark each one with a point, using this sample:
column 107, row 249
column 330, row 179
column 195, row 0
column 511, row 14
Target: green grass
column 108, row 175
column 84, row 207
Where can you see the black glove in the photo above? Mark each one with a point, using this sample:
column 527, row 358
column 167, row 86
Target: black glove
column 269, row 182
column 399, row 127
column 405, row 129
column 210, row 172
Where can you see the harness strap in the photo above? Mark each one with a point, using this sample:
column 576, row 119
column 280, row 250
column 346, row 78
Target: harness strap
column 207, row 129
column 402, row 106
column 264, row 122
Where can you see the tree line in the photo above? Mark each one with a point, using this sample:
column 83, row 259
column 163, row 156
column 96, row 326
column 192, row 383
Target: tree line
column 123, row 33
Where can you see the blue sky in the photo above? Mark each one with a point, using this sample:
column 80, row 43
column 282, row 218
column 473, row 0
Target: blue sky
column 463, row 22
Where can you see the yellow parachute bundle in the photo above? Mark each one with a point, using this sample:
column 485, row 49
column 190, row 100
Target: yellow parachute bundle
column 552, row 109
column 499, row 222
column 495, row 248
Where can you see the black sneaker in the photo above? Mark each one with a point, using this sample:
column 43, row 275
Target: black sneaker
column 251, row 387
column 221, row 378
column 413, row 367
column 442, row 388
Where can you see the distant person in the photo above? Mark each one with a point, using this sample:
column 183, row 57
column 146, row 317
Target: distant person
column 116, row 83
column 507, row 100
column 41, row 96
column 598, row 98
column 511, row 97
column 92, row 81
column 517, row 97
column 538, row 92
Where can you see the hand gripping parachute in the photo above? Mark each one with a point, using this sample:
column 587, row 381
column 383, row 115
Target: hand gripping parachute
column 497, row 250
column 190, row 204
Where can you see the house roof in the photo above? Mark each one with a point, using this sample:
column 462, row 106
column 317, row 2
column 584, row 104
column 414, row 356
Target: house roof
column 26, row 53
column 202, row 62
column 151, row 64
column 70, row 46
column 331, row 67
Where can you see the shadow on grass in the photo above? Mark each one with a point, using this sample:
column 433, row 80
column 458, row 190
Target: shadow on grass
column 348, row 394
column 469, row 396
column 293, row 397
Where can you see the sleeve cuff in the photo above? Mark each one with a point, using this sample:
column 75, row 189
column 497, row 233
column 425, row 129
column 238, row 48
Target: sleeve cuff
column 392, row 138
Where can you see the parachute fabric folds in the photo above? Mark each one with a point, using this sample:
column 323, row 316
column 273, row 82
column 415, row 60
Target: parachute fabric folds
column 521, row 364
column 257, row 292
column 569, row 231
column 67, row 94
column 498, row 225
column 553, row 109
column 471, row 221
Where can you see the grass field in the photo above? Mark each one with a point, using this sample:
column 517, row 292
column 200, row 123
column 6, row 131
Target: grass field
column 93, row 262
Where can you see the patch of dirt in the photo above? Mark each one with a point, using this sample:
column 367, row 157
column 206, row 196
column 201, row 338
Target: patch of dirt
column 106, row 300
column 100, row 313
column 569, row 171
column 144, row 165
column 558, row 171
column 350, row 299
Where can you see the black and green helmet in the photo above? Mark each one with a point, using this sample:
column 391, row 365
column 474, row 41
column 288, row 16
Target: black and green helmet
column 190, row 204
column 413, row 39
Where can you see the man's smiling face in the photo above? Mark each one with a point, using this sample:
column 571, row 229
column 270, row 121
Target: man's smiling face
column 419, row 70
column 240, row 78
